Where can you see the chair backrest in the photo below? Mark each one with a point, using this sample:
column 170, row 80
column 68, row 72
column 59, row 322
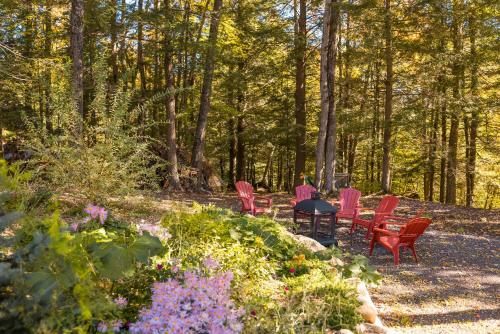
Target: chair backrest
column 245, row 189
column 349, row 200
column 387, row 204
column 413, row 229
column 304, row 192
column 245, row 193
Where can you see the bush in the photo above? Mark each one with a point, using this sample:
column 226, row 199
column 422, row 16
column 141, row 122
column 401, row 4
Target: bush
column 283, row 286
column 110, row 158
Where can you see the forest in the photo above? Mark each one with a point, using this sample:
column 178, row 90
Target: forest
column 198, row 94
column 249, row 166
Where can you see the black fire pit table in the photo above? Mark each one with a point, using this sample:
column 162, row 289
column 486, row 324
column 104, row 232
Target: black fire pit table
column 315, row 209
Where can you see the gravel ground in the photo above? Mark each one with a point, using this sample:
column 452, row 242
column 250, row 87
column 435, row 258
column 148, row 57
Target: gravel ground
column 454, row 288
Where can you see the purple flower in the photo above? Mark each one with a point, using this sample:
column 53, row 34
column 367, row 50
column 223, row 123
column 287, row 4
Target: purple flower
column 159, row 266
column 95, row 212
column 74, row 227
column 116, row 325
column 154, row 229
column 102, row 327
column 191, row 304
column 210, row 263
column 121, row 302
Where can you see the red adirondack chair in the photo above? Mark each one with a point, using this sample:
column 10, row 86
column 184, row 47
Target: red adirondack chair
column 401, row 220
column 385, row 208
column 248, row 199
column 349, row 203
column 406, row 237
column 301, row 193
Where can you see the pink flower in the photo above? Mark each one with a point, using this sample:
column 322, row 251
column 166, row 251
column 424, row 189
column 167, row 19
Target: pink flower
column 95, row 212
column 292, row 270
column 121, row 302
column 159, row 266
column 210, row 263
column 74, row 227
column 286, row 288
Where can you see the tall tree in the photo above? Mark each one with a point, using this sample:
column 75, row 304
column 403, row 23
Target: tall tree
column 206, row 91
column 300, row 88
column 451, row 167
column 386, row 158
column 327, row 126
column 170, row 104
column 76, row 51
column 470, row 169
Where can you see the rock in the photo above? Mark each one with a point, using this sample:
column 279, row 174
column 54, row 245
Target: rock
column 372, row 329
column 367, row 309
column 344, row 331
column 312, row 244
column 334, row 261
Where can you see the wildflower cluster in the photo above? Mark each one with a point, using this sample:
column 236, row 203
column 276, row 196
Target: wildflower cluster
column 192, row 303
column 94, row 212
column 154, row 229
column 113, row 326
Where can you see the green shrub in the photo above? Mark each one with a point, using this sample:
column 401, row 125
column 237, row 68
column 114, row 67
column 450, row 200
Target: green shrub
column 110, row 158
column 310, row 298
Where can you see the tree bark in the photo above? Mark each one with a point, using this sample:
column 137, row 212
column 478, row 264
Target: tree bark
column 300, row 90
column 232, row 153
column 240, row 150
column 474, row 123
column 327, row 125
column 47, row 54
column 199, row 140
column 444, row 149
column 172, row 167
column 386, row 163
column 451, row 167
column 76, row 52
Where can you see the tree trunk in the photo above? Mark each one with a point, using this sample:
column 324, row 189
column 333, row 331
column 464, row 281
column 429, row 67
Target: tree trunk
column 47, row 54
column 232, row 153
column 199, row 140
column 327, row 126
column 451, row 167
column 471, row 161
column 444, row 150
column 170, row 106
column 300, row 90
column 140, row 52
column 76, row 51
column 240, row 151
column 386, row 176
column 375, row 124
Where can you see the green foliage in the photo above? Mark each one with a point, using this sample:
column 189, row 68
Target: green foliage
column 359, row 267
column 310, row 298
column 112, row 157
column 56, row 279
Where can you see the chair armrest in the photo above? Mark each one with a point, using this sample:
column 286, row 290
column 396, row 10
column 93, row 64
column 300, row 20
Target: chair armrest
column 265, row 198
column 385, row 232
column 396, row 217
column 383, row 213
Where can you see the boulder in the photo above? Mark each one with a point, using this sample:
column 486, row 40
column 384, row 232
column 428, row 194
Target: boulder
column 344, row 331
column 372, row 329
column 312, row 244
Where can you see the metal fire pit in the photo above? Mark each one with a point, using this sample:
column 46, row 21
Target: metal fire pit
column 315, row 209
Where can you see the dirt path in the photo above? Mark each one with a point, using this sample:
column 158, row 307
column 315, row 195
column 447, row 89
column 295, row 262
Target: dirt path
column 454, row 288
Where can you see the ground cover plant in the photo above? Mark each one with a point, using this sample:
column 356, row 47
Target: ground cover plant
column 199, row 270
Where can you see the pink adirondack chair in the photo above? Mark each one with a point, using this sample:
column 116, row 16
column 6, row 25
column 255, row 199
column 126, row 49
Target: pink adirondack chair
column 301, row 193
column 385, row 208
column 248, row 199
column 406, row 237
column 349, row 204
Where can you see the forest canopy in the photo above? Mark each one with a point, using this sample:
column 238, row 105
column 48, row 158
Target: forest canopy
column 402, row 95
